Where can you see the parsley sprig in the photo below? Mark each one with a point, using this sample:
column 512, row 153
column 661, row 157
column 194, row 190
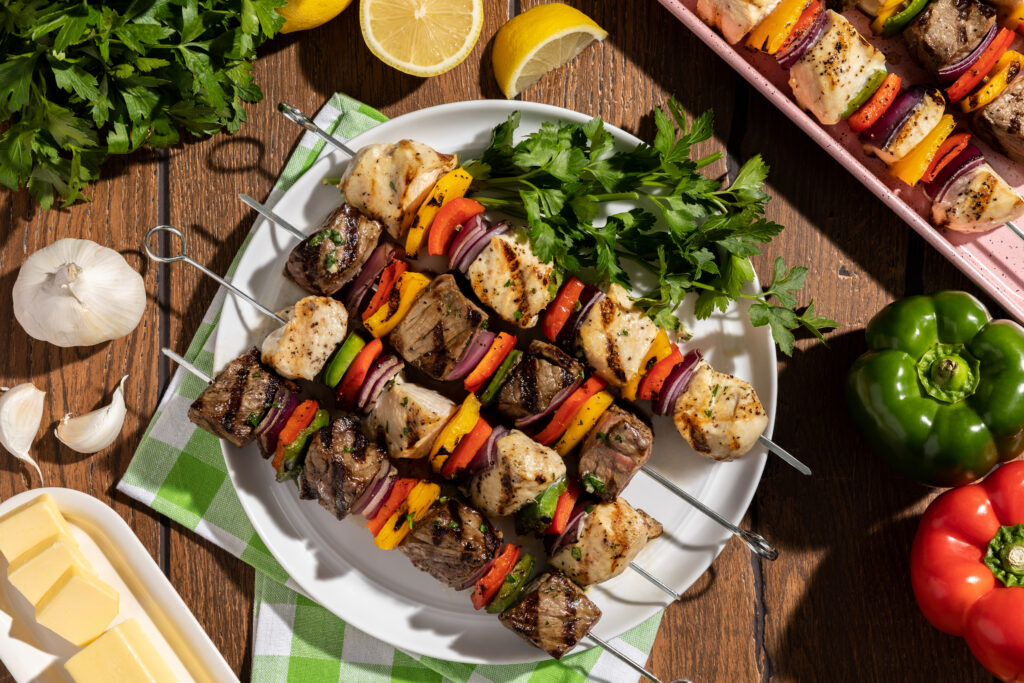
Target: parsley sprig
column 80, row 81
column 688, row 230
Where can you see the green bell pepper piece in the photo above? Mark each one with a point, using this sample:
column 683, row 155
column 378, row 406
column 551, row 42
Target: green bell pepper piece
column 342, row 359
column 510, row 589
column 864, row 95
column 902, row 19
column 940, row 392
column 539, row 512
column 296, row 450
column 501, row 376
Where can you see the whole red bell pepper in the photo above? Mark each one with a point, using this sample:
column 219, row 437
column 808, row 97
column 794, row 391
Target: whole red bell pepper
column 967, row 568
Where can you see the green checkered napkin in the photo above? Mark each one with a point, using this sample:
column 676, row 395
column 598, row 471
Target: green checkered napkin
column 179, row 471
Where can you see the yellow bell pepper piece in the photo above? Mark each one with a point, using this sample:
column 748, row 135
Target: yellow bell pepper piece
column 1011, row 18
column 911, row 168
column 1005, row 70
column 412, row 510
column 584, row 420
column 459, row 426
column 888, row 9
column 660, row 348
column 452, row 184
column 770, row 34
column 409, row 286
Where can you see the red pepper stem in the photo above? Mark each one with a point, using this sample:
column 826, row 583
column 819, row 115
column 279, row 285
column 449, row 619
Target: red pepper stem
column 1005, row 555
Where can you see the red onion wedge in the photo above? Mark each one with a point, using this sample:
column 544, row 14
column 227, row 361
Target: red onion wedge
column 882, row 131
column 573, row 528
column 479, row 574
column 379, row 494
column 382, row 371
column 472, row 249
column 948, row 74
column 386, row 469
column 675, row 383
column 967, row 160
column 588, row 297
column 488, row 453
column 285, row 403
column 811, row 36
column 476, row 350
column 558, row 399
column 361, row 286
column 469, row 232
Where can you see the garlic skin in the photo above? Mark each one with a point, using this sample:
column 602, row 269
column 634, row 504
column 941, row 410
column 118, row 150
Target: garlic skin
column 94, row 431
column 78, row 293
column 21, row 412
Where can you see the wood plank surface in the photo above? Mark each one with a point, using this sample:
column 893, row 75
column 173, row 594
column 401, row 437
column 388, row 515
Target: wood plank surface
column 835, row 606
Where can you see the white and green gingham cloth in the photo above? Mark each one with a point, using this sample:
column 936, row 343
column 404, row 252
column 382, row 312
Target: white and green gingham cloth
column 179, row 471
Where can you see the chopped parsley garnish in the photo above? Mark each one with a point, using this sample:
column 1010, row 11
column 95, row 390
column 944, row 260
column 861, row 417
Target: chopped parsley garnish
column 452, row 524
column 508, row 283
column 589, row 509
column 405, row 401
column 577, row 554
column 253, row 420
column 711, row 401
column 484, row 528
column 593, row 484
column 518, row 315
column 330, row 261
column 602, row 436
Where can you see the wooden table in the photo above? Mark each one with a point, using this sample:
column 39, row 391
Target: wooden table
column 836, row 605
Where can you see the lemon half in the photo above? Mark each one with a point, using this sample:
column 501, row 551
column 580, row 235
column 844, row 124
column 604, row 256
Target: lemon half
column 301, row 15
column 538, row 41
column 421, row 37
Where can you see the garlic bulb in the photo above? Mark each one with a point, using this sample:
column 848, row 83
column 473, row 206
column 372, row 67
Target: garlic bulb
column 95, row 430
column 21, row 412
column 78, row 293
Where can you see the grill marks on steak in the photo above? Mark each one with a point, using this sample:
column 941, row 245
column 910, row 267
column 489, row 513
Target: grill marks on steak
column 326, row 260
column 947, row 31
column 237, row 399
column 339, row 465
column 440, row 325
column 1001, row 122
column 554, row 614
column 540, row 375
column 615, row 449
column 452, row 543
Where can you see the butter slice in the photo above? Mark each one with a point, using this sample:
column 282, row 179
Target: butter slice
column 38, row 569
column 79, row 607
column 30, row 525
column 124, row 654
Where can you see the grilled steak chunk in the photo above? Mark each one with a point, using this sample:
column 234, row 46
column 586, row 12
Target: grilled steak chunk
column 452, row 543
column 438, row 328
column 543, row 372
column 553, row 614
column 614, row 450
column 947, row 31
column 330, row 257
column 339, row 465
column 1001, row 123
column 238, row 398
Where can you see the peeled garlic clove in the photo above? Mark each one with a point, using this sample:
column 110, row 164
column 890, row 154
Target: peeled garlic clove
column 21, row 412
column 96, row 430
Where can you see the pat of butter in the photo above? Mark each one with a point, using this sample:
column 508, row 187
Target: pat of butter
column 124, row 654
column 38, row 569
column 30, row 525
column 79, row 607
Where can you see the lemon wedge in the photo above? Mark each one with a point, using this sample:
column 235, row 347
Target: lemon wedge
column 539, row 40
column 421, row 37
column 301, row 15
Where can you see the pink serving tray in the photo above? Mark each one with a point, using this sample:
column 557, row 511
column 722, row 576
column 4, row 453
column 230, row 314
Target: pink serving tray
column 994, row 260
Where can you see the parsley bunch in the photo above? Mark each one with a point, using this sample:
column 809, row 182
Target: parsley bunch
column 559, row 177
column 81, row 81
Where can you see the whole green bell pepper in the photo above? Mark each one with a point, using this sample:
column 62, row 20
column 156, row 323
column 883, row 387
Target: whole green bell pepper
column 940, row 392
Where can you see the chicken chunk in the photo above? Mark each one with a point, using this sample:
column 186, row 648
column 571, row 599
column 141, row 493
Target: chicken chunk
column 734, row 18
column 977, row 201
column 388, row 181
column 508, row 277
column 522, row 470
column 614, row 337
column 611, row 536
column 314, row 328
column 719, row 415
column 407, row 418
column 834, row 70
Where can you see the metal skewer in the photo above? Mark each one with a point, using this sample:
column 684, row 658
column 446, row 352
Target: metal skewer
column 1013, row 226
column 183, row 256
column 180, row 360
column 271, row 216
column 298, row 117
column 636, row 667
column 784, row 455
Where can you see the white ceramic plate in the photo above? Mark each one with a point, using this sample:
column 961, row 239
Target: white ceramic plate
column 34, row 653
column 380, row 592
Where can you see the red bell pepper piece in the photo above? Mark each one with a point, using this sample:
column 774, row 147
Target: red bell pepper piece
column 810, row 13
column 948, row 151
column 500, row 348
column 566, row 502
column 567, row 411
column 561, row 308
column 388, row 278
column 962, row 591
column 399, row 492
column 467, row 449
column 487, row 587
column 452, row 215
column 872, row 110
column 974, row 75
column 297, row 421
column 348, row 390
column 650, row 385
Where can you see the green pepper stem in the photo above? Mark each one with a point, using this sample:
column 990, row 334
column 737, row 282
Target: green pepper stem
column 1005, row 555
column 1013, row 557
